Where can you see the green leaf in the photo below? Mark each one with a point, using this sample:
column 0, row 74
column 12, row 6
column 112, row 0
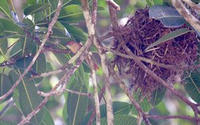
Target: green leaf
column 167, row 15
column 23, row 62
column 168, row 37
column 4, row 7
column 157, row 96
column 145, row 105
column 62, row 58
column 30, row 2
column 21, row 54
column 39, row 66
column 29, row 100
column 122, row 120
column 76, row 32
column 119, row 108
column 76, row 105
column 86, row 67
column 192, row 85
column 12, row 112
column 158, row 2
column 24, row 46
column 8, row 27
column 5, row 85
column 17, row 48
column 150, row 2
column 196, row 1
column 53, row 4
column 2, row 122
column 47, row 119
column 162, row 108
column 60, row 33
column 35, row 8
column 3, row 46
column 71, row 14
column 155, row 111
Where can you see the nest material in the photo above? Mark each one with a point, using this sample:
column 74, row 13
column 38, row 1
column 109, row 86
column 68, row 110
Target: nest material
column 141, row 31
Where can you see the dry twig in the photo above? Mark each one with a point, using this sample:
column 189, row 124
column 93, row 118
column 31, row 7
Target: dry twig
column 160, row 80
column 91, row 31
column 113, row 18
column 193, row 21
column 37, row 54
column 96, row 96
column 133, row 101
column 34, row 112
column 189, row 118
column 54, row 91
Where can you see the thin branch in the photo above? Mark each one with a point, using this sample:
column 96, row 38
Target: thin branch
column 172, row 67
column 106, row 36
column 96, row 96
column 93, row 113
column 54, row 91
column 78, row 93
column 45, row 47
column 160, row 80
column 113, row 4
column 198, row 104
column 46, row 74
column 10, row 102
column 81, row 51
column 193, row 21
column 113, row 18
column 34, row 112
column 94, row 12
column 91, row 32
column 146, row 69
column 37, row 54
column 189, row 118
column 192, row 5
column 67, row 90
column 133, row 101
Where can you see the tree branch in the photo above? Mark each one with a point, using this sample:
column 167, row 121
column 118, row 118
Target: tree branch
column 160, row 80
column 96, row 96
column 133, row 101
column 91, row 33
column 37, row 54
column 193, row 21
column 189, row 118
column 54, row 91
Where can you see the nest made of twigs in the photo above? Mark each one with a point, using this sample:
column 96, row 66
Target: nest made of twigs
column 141, row 31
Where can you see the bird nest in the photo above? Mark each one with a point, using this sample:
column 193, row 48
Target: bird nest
column 141, row 31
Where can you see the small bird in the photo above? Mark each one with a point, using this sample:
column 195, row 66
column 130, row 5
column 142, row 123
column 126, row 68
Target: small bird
column 75, row 47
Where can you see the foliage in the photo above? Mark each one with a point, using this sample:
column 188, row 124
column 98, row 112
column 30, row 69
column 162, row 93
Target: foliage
column 20, row 39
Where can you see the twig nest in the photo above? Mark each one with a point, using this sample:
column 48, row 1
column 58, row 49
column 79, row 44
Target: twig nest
column 141, row 31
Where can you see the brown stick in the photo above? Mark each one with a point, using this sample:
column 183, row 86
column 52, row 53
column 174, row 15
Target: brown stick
column 160, row 80
column 189, row 118
column 54, row 91
column 96, row 96
column 113, row 18
column 193, row 21
column 91, row 32
column 36, row 55
column 133, row 101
